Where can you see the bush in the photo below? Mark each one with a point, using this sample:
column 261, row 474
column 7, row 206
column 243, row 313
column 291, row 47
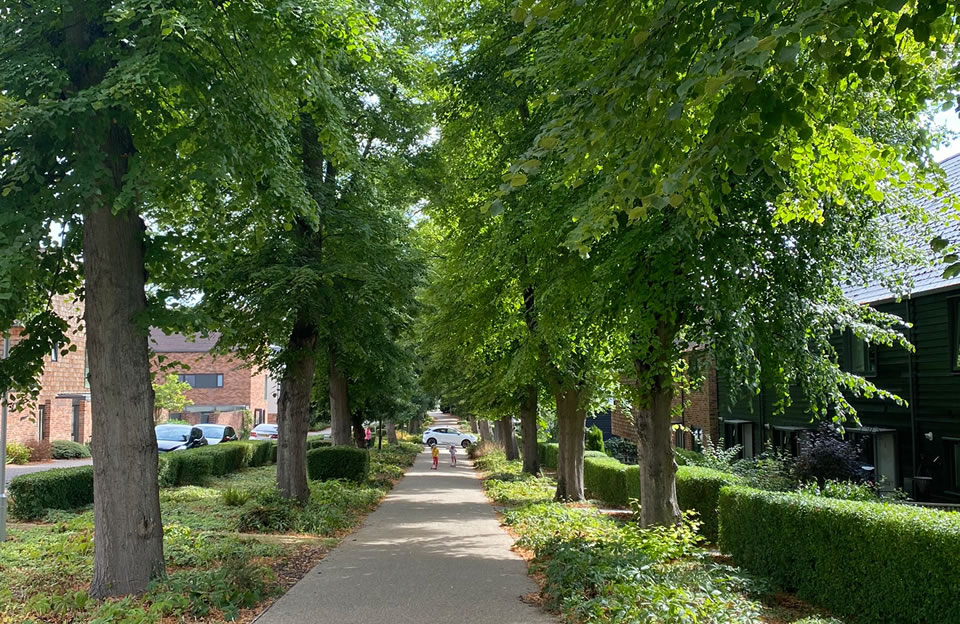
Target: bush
column 255, row 453
column 685, row 457
column 624, row 451
column 17, row 453
column 605, row 478
column 67, row 449
column 225, row 458
column 548, row 451
column 234, row 497
column 823, row 456
column 184, row 468
column 270, row 512
column 879, row 562
column 40, row 451
column 698, row 489
column 60, row 488
column 317, row 442
column 594, row 439
column 338, row 462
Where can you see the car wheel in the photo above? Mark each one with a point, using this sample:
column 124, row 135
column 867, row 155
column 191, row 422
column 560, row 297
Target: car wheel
column 466, row 443
column 432, row 442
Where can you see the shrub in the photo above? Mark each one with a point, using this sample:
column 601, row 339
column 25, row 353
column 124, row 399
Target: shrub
column 338, row 462
column 184, row 468
column 482, row 449
column 40, row 451
column 772, row 470
column 594, row 439
column 225, row 458
column 698, row 489
column 624, row 451
column 17, row 453
column 879, row 562
column 317, row 442
column 605, row 478
column 823, row 456
column 549, row 451
column 255, row 453
column 60, row 488
column 270, row 512
column 234, row 497
column 685, row 457
column 68, row 449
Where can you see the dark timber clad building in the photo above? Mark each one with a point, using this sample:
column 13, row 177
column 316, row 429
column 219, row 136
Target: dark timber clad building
column 921, row 439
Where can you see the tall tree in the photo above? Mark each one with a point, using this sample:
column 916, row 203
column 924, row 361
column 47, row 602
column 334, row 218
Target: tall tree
column 113, row 116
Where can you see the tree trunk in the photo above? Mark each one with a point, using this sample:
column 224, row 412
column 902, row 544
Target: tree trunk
column 509, row 438
column 392, row 433
column 340, row 421
column 359, row 437
column 128, row 533
column 485, row 434
column 414, row 427
column 528, row 428
column 473, row 425
column 293, row 411
column 658, row 469
column 498, row 432
column 570, row 420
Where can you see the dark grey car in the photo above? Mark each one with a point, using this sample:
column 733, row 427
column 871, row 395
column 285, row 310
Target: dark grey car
column 179, row 437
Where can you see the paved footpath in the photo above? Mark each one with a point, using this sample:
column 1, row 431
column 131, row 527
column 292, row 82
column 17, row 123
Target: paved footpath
column 434, row 551
column 15, row 471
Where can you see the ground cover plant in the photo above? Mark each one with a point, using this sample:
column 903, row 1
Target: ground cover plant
column 596, row 568
column 220, row 558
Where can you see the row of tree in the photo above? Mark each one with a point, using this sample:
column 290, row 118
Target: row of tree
column 627, row 190
column 241, row 167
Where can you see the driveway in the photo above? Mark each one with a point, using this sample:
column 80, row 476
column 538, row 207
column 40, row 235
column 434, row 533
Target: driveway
column 15, row 471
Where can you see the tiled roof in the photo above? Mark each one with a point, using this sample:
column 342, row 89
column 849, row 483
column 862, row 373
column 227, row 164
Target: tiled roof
column 178, row 343
column 926, row 278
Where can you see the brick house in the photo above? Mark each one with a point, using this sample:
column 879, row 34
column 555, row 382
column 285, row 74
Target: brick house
column 223, row 387
column 695, row 411
column 62, row 408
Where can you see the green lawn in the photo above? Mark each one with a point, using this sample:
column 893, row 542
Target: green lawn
column 214, row 571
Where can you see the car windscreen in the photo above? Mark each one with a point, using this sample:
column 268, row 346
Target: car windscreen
column 173, row 433
column 212, row 431
column 267, row 429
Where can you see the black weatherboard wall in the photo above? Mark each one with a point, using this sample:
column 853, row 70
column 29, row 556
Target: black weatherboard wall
column 921, row 439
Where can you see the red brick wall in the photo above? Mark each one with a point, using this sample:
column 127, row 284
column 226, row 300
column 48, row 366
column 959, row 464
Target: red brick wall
column 67, row 374
column 241, row 386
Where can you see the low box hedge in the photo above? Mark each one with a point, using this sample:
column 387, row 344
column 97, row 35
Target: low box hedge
column 61, row 488
column 605, row 478
column 338, row 462
column 878, row 562
column 68, row 449
column 549, row 452
column 317, row 442
column 699, row 489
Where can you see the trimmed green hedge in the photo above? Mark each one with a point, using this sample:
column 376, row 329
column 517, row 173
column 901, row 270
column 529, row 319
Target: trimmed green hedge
column 699, row 489
column 548, row 451
column 68, row 449
column 338, row 462
column 605, row 478
column 61, row 488
column 879, row 562
column 317, row 442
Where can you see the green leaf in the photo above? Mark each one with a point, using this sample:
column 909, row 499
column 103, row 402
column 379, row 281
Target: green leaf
column 952, row 271
column 939, row 243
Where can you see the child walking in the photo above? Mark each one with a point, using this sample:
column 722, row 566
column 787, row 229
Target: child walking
column 453, row 454
column 435, row 451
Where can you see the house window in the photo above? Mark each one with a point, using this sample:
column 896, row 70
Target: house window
column 204, row 418
column 41, row 422
column 258, row 417
column 863, row 357
column 679, row 439
column 265, row 387
column 204, row 380
column 76, row 424
column 55, row 353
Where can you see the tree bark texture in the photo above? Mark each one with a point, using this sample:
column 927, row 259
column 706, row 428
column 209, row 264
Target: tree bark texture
column 392, row 432
column 497, row 432
column 658, row 469
column 293, row 412
column 528, row 429
column 340, row 421
column 510, row 447
column 485, row 434
column 473, row 425
column 415, row 425
column 570, row 421
column 128, row 534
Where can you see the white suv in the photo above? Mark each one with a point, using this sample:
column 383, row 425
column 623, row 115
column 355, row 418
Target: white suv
column 445, row 436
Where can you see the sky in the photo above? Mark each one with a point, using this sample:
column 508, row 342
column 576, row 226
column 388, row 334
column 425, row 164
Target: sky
column 951, row 120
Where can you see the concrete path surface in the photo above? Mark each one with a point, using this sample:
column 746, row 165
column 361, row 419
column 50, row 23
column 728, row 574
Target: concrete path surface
column 433, row 552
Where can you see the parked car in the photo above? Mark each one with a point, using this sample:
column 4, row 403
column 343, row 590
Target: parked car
column 448, row 435
column 215, row 434
column 264, row 432
column 178, row 437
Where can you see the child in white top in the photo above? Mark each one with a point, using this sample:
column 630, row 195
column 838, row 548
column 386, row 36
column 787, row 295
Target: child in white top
column 453, row 455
